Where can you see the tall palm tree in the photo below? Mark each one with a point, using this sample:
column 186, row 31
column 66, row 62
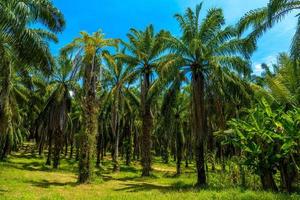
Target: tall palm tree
column 90, row 50
column 205, row 48
column 119, row 75
column 20, row 44
column 145, row 52
column 54, row 118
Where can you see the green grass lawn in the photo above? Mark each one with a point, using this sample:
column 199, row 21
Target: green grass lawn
column 24, row 176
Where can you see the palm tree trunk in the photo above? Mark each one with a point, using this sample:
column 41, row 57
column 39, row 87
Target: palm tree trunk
column 48, row 162
column 146, row 126
column 198, row 113
column 99, row 146
column 179, row 145
column 128, row 140
column 58, row 146
column 267, row 180
column 90, row 129
column 115, row 130
column 5, row 112
column 136, row 151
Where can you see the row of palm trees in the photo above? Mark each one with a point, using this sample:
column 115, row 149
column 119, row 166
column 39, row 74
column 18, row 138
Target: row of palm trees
column 199, row 80
column 153, row 60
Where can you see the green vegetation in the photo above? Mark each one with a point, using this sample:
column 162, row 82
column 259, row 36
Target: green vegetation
column 117, row 119
column 25, row 176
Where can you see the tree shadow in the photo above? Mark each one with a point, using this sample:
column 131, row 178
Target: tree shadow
column 138, row 187
column 2, row 191
column 31, row 166
column 129, row 169
column 142, row 186
column 47, row 184
column 106, row 177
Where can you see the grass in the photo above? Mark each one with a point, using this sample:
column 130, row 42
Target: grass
column 24, row 176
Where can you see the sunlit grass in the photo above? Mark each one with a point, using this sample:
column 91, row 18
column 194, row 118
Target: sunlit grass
column 25, row 176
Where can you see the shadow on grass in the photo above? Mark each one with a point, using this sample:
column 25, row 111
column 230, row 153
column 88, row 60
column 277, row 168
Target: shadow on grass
column 178, row 186
column 31, row 166
column 47, row 184
column 126, row 178
column 138, row 187
column 2, row 191
column 129, row 169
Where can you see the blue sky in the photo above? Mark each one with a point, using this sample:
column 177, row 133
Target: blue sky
column 116, row 17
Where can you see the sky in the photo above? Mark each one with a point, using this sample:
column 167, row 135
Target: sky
column 116, row 17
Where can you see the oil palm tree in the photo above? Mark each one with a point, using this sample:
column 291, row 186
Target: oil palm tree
column 22, row 45
column 282, row 86
column 54, row 117
column 145, row 52
column 262, row 19
column 89, row 50
column 119, row 75
column 205, row 48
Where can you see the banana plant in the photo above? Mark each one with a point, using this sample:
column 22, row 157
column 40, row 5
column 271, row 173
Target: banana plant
column 269, row 139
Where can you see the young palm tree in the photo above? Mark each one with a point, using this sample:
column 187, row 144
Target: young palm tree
column 90, row 50
column 145, row 54
column 205, row 48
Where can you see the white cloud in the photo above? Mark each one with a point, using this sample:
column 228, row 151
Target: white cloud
column 257, row 69
column 269, row 61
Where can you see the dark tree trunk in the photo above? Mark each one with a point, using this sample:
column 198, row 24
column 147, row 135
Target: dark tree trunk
column 128, row 141
column 77, row 149
column 136, row 145
column 179, row 144
column 146, row 126
column 66, row 146
column 71, row 147
column 98, row 161
column 41, row 147
column 188, row 144
column 115, row 131
column 287, row 174
column 99, row 142
column 199, row 115
column 5, row 111
column 58, row 146
column 49, row 156
column 267, row 180
column 5, row 148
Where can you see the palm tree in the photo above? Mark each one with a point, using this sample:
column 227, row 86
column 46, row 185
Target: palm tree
column 90, row 50
column 119, row 75
column 173, row 110
column 280, row 87
column 54, row 118
column 204, row 49
column 22, row 45
column 145, row 54
column 262, row 19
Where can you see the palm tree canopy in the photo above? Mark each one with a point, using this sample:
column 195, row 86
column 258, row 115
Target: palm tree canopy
column 207, row 43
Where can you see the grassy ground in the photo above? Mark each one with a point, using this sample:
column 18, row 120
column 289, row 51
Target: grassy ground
column 24, row 176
